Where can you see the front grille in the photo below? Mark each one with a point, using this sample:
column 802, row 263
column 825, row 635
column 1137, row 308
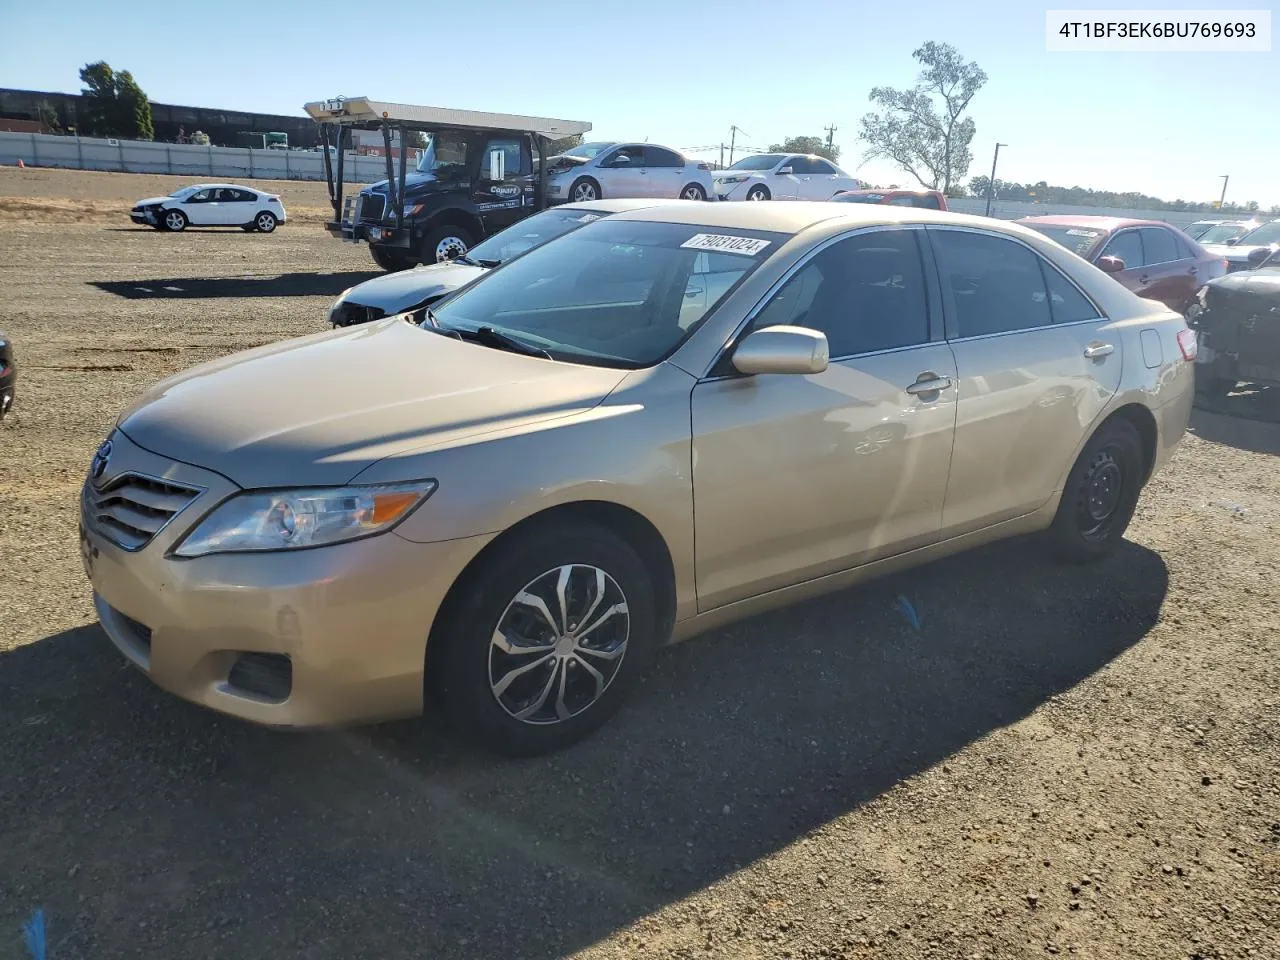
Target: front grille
column 140, row 632
column 371, row 207
column 267, row 676
column 131, row 509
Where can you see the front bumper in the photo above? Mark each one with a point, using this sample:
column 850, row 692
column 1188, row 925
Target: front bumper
column 146, row 217
column 350, row 621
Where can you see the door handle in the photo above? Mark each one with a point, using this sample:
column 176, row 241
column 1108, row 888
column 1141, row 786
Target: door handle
column 1096, row 351
column 1143, row 278
column 928, row 383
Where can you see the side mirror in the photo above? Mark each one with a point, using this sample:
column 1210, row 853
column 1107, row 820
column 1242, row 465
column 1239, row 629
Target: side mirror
column 497, row 165
column 621, row 160
column 1260, row 255
column 784, row 171
column 1110, row 264
column 782, row 349
column 1231, row 241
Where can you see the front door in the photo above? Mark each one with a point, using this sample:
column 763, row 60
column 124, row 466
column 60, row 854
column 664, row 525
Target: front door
column 799, row 476
column 816, row 178
column 1037, row 364
column 201, row 208
column 1127, row 245
column 504, row 185
column 622, row 173
column 785, row 185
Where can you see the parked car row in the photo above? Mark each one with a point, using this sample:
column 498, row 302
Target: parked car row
column 495, row 512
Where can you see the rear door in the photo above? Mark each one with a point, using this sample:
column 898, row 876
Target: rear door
column 504, row 186
column 664, row 172
column 812, row 181
column 798, row 476
column 1170, row 270
column 1037, row 364
column 622, row 173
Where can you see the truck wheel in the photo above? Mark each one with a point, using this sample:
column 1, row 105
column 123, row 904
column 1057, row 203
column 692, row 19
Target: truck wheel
column 445, row 243
column 585, row 189
column 390, row 259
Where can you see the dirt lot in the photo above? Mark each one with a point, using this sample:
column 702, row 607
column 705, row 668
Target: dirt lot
column 1058, row 761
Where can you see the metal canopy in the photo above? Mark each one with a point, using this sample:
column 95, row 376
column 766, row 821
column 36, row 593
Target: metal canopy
column 361, row 111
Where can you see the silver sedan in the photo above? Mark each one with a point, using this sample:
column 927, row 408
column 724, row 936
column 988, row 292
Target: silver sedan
column 593, row 171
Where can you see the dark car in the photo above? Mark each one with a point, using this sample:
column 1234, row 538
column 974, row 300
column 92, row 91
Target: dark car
column 1237, row 320
column 926, row 199
column 1153, row 259
column 7, row 375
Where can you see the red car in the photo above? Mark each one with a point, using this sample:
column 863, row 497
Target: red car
column 927, row 199
column 1151, row 258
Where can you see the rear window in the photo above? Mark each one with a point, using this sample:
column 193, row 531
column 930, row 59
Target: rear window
column 1078, row 240
column 860, row 198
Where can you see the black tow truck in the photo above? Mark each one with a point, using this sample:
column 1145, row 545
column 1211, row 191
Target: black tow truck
column 475, row 174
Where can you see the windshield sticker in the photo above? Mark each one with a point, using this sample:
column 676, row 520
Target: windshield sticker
column 746, row 246
column 588, row 217
column 1082, row 233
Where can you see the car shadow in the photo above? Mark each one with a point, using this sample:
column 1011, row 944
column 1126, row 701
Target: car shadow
column 142, row 823
column 212, row 288
column 1252, row 429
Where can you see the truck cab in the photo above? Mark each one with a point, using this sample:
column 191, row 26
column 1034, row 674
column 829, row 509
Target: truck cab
column 477, row 174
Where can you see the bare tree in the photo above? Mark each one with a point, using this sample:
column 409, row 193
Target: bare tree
column 921, row 129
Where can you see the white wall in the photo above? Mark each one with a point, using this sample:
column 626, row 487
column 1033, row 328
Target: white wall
column 1015, row 209
column 190, row 160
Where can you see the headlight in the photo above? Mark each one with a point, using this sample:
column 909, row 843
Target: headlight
column 292, row 519
column 733, row 179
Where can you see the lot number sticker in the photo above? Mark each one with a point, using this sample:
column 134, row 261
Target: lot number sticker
column 746, row 246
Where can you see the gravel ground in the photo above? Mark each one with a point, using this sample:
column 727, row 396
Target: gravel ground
column 1058, row 761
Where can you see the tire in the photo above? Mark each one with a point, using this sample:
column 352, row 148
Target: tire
column 1100, row 494
column 174, row 221
column 441, row 239
column 585, row 189
column 759, row 192
column 391, row 259
column 693, row 191
column 466, row 667
column 265, row 222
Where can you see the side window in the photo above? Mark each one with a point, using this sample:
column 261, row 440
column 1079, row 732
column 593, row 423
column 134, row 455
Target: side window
column 808, row 166
column 991, row 284
column 865, row 293
column 1066, row 303
column 1127, row 246
column 929, row 202
column 825, row 167
column 633, row 152
column 513, row 156
column 658, row 157
column 244, row 196
column 201, row 196
column 793, row 163
column 1159, row 246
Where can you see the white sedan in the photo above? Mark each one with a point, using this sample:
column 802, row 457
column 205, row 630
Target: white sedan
column 211, row 205
column 597, row 171
column 782, row 176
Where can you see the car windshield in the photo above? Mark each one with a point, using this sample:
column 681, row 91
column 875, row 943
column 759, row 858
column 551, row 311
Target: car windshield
column 445, row 155
column 763, row 161
column 1267, row 233
column 586, row 150
column 860, row 198
column 613, row 293
column 1076, row 239
column 529, row 233
column 1219, row 232
column 184, row 192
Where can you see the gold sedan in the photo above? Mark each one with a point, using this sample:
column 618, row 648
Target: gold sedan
column 667, row 419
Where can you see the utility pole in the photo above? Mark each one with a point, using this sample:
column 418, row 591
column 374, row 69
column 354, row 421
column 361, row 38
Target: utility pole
column 831, row 135
column 1223, row 198
column 722, row 156
column 991, row 184
column 733, row 139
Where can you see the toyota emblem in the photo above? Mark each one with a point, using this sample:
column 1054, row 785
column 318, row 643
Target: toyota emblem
column 101, row 458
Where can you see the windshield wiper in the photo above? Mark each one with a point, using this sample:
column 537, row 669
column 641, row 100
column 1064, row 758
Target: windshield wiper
column 503, row 341
column 487, row 264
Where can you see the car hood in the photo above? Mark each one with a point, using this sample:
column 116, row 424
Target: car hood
column 397, row 292
column 1234, row 252
column 721, row 174
column 417, row 184
column 1264, row 282
column 318, row 410
column 150, row 200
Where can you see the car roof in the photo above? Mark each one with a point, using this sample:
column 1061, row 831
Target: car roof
column 1097, row 222
column 795, row 216
column 214, row 186
column 909, row 190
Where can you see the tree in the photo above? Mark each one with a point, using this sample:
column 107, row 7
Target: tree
column 558, row 147
column 115, row 105
column 49, row 117
column 416, row 139
column 925, row 137
column 807, row 145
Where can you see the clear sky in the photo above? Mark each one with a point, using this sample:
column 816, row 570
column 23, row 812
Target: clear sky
column 681, row 72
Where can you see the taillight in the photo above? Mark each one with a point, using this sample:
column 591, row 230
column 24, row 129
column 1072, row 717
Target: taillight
column 1187, row 343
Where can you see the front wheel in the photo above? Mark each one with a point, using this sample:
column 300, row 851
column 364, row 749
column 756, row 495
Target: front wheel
column 584, row 189
column 175, row 220
column 758, row 193
column 693, row 191
column 1100, row 494
column 390, row 259
column 444, row 244
column 546, row 640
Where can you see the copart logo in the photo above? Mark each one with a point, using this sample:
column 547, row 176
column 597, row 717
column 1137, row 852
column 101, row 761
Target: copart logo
column 101, row 458
column 505, row 190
